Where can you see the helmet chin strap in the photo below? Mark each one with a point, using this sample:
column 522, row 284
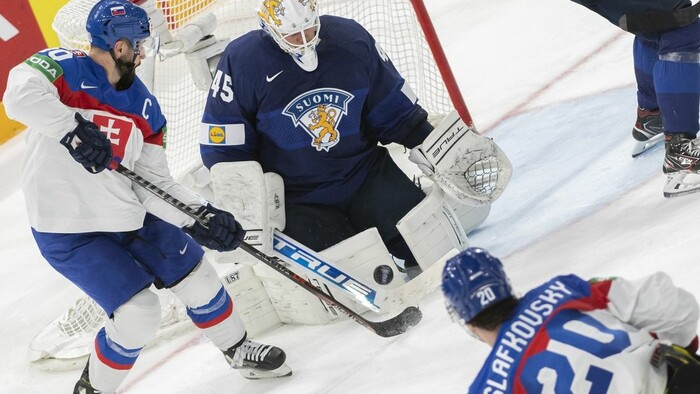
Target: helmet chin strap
column 126, row 70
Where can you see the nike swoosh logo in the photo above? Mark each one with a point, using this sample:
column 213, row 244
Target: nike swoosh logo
column 272, row 78
column 184, row 249
column 84, row 86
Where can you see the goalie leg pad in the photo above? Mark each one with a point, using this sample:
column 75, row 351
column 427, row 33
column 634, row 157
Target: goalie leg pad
column 257, row 200
column 431, row 229
column 360, row 255
column 469, row 216
column 251, row 300
column 209, row 306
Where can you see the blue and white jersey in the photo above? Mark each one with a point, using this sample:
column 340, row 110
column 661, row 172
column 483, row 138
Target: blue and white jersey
column 571, row 336
column 44, row 92
column 318, row 130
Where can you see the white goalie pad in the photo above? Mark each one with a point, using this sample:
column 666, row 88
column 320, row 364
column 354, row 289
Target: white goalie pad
column 361, row 260
column 202, row 60
column 431, row 229
column 469, row 167
column 254, row 198
column 365, row 257
column 469, row 216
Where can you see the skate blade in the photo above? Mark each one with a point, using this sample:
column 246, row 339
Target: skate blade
column 643, row 146
column 254, row 374
column 681, row 183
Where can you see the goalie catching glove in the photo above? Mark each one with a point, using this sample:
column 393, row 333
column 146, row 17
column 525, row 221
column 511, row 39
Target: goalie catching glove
column 222, row 233
column 468, row 167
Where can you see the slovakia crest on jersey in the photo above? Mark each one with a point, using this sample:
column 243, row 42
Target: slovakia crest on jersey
column 319, row 113
column 116, row 129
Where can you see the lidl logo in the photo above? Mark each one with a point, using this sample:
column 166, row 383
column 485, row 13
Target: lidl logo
column 217, row 135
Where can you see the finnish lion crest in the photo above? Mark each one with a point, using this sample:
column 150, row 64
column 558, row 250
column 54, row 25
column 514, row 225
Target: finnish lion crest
column 272, row 10
column 306, row 2
column 319, row 112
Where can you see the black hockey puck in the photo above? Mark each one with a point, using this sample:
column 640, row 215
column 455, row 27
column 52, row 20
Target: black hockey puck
column 383, row 274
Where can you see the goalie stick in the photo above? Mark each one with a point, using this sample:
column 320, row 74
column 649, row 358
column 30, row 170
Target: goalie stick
column 386, row 300
column 396, row 325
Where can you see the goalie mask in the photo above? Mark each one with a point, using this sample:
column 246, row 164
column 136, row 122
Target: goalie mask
column 473, row 281
column 295, row 26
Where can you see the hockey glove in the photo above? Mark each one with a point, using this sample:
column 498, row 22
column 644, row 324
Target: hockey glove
column 223, row 233
column 88, row 145
column 683, row 368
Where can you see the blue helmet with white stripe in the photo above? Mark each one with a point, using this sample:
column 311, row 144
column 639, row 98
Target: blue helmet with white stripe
column 472, row 281
column 112, row 20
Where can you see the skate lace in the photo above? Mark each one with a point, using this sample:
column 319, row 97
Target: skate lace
column 250, row 351
column 690, row 148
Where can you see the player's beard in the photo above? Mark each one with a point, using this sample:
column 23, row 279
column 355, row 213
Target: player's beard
column 127, row 73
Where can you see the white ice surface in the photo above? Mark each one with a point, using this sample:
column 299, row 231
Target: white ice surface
column 553, row 84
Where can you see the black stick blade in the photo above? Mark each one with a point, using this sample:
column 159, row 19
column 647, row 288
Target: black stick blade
column 398, row 324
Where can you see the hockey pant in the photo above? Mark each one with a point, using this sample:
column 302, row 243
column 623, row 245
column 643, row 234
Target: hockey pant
column 667, row 69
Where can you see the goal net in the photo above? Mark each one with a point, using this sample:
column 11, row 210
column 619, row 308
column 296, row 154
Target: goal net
column 393, row 23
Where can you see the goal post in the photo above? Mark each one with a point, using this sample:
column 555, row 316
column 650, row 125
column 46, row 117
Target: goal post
column 441, row 62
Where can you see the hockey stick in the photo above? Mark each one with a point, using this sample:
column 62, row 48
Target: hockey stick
column 396, row 325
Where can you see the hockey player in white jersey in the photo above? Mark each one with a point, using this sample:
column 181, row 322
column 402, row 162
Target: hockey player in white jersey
column 112, row 239
column 575, row 336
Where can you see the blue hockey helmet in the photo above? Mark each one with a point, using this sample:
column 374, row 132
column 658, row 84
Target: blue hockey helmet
column 472, row 281
column 112, row 20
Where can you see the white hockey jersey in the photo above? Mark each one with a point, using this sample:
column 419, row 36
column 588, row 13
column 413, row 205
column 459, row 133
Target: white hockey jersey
column 44, row 93
column 571, row 336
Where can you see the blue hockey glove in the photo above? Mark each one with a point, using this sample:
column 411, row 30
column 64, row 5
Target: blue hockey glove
column 223, row 234
column 88, row 145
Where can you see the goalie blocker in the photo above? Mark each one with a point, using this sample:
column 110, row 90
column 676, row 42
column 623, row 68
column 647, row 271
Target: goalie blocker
column 468, row 167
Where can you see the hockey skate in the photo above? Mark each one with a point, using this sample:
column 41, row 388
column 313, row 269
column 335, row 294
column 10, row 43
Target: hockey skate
column 410, row 268
column 257, row 361
column 681, row 165
column 83, row 386
column 647, row 131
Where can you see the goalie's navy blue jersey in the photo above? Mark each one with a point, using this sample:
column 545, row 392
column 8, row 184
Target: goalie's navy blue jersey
column 318, row 130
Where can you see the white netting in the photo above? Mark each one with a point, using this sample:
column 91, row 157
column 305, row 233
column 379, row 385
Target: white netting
column 72, row 334
column 391, row 22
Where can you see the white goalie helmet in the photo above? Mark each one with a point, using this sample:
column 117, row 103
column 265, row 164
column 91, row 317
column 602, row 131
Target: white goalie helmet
column 287, row 21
